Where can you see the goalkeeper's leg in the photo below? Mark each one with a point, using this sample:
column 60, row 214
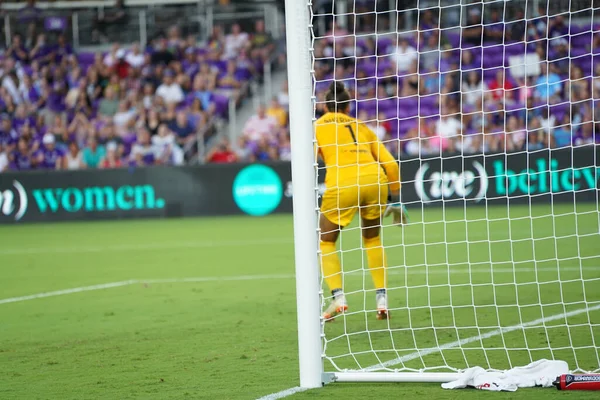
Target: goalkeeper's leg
column 331, row 267
column 377, row 263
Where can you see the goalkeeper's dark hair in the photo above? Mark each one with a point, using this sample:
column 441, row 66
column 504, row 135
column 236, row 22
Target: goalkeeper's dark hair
column 337, row 98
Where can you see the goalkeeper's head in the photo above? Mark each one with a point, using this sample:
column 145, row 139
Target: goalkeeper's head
column 337, row 98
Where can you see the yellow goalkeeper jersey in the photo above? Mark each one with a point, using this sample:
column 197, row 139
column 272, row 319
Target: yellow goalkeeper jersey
column 353, row 154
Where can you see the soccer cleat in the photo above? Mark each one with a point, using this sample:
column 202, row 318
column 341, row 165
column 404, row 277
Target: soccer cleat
column 382, row 306
column 337, row 306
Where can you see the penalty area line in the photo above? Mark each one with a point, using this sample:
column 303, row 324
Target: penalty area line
column 497, row 332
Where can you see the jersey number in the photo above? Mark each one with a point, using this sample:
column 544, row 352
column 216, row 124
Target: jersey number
column 349, row 127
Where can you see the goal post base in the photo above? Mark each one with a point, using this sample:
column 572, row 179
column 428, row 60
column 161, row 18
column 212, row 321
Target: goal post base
column 414, row 377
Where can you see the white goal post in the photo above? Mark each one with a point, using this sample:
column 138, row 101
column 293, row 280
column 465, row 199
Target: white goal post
column 492, row 109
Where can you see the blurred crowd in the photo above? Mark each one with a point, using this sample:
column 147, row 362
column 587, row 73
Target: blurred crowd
column 469, row 90
column 129, row 106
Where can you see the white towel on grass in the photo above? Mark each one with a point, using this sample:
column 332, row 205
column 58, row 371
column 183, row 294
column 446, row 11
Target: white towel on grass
column 538, row 373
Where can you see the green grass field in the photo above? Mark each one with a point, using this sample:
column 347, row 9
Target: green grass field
column 205, row 308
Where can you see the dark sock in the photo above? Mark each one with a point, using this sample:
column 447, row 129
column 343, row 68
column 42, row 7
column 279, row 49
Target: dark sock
column 380, row 291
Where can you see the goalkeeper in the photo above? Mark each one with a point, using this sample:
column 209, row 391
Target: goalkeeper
column 360, row 175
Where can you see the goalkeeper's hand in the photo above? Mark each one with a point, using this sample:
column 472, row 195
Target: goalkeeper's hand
column 396, row 209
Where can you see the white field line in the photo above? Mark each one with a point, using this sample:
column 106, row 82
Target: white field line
column 283, row 393
column 67, row 291
column 496, row 332
column 265, row 277
column 136, row 281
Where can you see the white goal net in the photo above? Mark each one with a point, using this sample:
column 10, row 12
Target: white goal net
column 491, row 109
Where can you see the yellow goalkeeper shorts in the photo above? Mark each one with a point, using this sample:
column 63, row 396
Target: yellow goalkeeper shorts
column 339, row 204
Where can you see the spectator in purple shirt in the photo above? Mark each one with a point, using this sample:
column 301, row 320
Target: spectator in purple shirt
column 17, row 50
column 21, row 159
column 62, row 49
column 49, row 156
column 29, row 14
column 8, row 135
column 42, row 52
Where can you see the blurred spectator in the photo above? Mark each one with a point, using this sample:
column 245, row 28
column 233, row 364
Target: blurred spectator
column 21, row 159
column 586, row 135
column 10, row 82
column 547, row 121
column 427, row 21
column 109, row 105
column 216, row 43
column 229, row 85
column 411, row 84
column 135, row 58
column 473, row 88
column 42, row 52
column 596, row 82
column 430, row 53
column 548, row 85
column 152, row 121
column 165, row 146
column 467, row 62
column 534, row 137
column 29, row 14
column 563, row 135
column 93, row 153
column 161, row 54
column 516, row 134
column 473, row 32
column 3, row 159
column 501, row 88
column 285, row 149
column 515, row 30
column 49, row 156
column 235, row 42
column 142, row 152
column 117, row 15
column 170, row 91
column 260, row 125
column 447, row 130
column 222, row 153
column 8, row 135
column 284, row 96
column 243, row 151
column 62, row 49
column 183, row 129
column 577, row 89
column 124, row 116
column 403, row 55
column 559, row 58
column 494, row 28
column 277, row 112
column 111, row 160
column 111, row 58
column 73, row 158
column 261, row 43
column 336, row 33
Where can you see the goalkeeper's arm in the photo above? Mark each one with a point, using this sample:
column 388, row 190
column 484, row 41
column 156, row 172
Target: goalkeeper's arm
column 392, row 170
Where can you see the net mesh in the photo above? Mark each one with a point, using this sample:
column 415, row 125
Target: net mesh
column 490, row 109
